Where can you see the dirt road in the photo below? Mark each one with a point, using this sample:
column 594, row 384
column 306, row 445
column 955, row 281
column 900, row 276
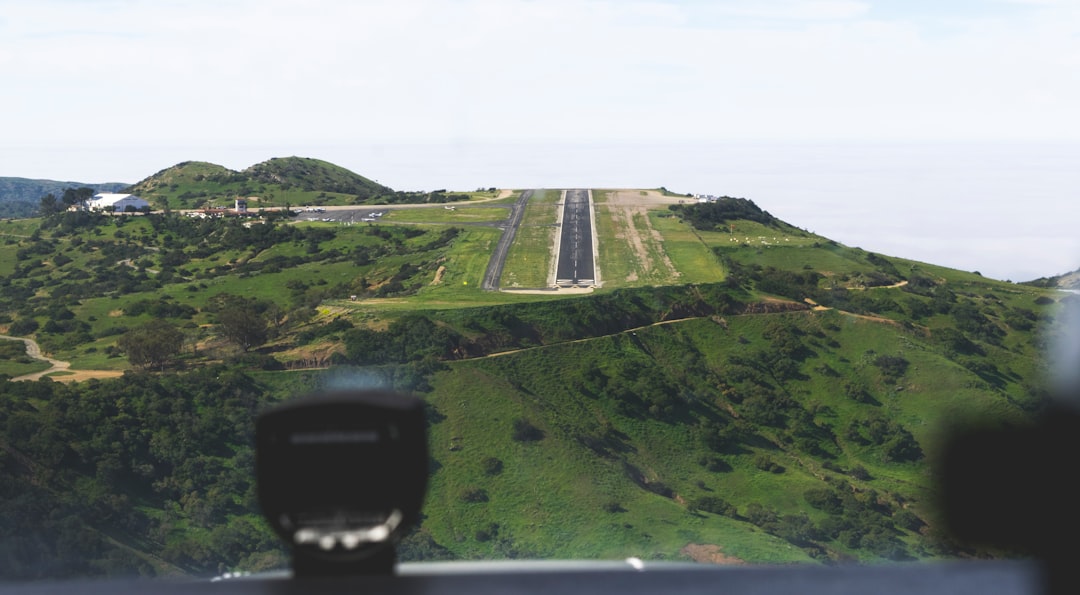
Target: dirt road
column 34, row 350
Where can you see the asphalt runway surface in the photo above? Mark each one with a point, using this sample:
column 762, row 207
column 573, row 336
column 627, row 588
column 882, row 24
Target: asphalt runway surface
column 576, row 267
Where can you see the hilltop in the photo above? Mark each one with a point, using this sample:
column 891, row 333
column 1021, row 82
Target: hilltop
column 1070, row 281
column 275, row 182
column 736, row 385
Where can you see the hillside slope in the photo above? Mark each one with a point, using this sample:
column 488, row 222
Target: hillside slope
column 752, row 433
column 785, row 412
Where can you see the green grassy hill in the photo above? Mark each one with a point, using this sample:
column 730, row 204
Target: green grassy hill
column 694, row 432
column 275, row 182
column 738, row 386
column 313, row 174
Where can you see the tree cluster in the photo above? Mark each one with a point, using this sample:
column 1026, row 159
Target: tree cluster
column 712, row 215
column 135, row 459
column 153, row 344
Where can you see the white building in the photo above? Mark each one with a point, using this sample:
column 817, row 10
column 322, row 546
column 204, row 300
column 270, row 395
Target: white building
column 117, row 203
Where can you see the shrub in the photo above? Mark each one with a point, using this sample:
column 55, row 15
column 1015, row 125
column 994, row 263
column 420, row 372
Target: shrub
column 23, row 326
column 855, row 391
column 765, row 463
column 492, row 466
column 488, row 533
column 797, row 529
column 660, row 489
column 908, row 520
column 715, row 505
column 524, row 431
column 760, row 515
column 892, row 366
column 824, row 499
column 613, row 506
column 474, row 495
column 860, row 472
column 715, row 464
column 902, row 447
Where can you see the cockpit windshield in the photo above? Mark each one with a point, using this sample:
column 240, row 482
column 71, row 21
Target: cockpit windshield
column 668, row 281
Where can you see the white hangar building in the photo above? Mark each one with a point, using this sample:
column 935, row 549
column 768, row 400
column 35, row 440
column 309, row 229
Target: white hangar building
column 119, row 203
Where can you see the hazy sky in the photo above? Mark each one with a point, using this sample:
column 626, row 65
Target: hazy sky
column 114, row 90
column 274, row 72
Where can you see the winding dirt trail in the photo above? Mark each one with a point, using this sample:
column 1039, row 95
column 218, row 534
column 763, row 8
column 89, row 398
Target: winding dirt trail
column 34, row 350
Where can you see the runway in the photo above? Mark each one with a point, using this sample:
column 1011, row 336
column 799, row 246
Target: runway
column 576, row 267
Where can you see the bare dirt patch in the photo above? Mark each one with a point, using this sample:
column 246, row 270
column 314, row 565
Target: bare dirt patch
column 70, row 375
column 645, row 198
column 709, row 554
column 630, row 206
column 438, row 275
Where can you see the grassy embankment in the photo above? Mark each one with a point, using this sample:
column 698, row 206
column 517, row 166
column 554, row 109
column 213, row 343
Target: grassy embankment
column 557, row 497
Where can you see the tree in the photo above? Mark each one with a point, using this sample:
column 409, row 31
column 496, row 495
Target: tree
column 23, row 326
column 525, row 431
column 902, row 447
column 49, row 205
column 75, row 196
column 892, row 366
column 152, row 344
column 797, row 529
column 824, row 499
column 242, row 326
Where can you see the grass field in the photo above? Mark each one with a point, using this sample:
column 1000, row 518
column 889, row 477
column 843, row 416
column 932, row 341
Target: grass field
column 687, row 250
column 458, row 286
column 630, row 254
column 616, row 260
column 529, row 263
